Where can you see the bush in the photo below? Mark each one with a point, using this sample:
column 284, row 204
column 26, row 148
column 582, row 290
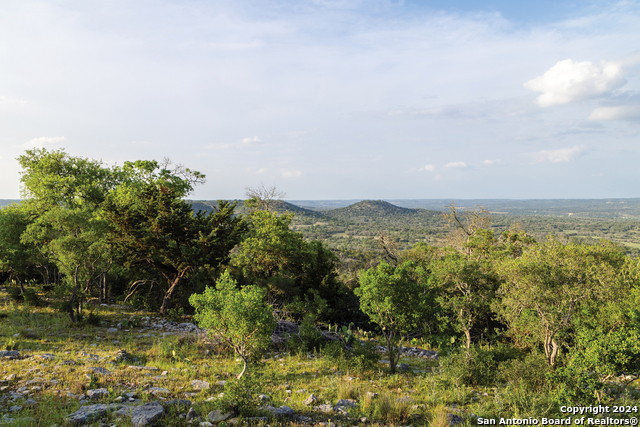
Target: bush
column 15, row 294
column 360, row 357
column 475, row 366
column 529, row 373
column 93, row 319
column 239, row 317
column 241, row 395
column 308, row 339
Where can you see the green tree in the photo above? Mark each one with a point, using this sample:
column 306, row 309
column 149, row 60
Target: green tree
column 465, row 288
column 17, row 258
column 550, row 283
column 75, row 241
column 279, row 259
column 390, row 297
column 63, row 197
column 150, row 224
column 239, row 317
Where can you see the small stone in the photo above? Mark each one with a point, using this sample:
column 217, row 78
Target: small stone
column 158, row 390
column 324, row 408
column 454, row 419
column 101, row 371
column 221, row 383
column 112, row 330
column 45, row 356
column 351, row 403
column 309, row 400
column 217, row 416
column 371, row 395
column 97, row 393
column 403, row 367
column 200, row 385
column 10, row 377
column 192, row 414
column 177, row 402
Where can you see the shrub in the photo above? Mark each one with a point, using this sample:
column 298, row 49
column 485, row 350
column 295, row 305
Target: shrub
column 360, row 357
column 15, row 294
column 529, row 373
column 475, row 366
column 241, row 395
column 308, row 338
column 238, row 317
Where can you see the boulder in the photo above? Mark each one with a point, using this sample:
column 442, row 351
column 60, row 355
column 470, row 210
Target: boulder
column 90, row 413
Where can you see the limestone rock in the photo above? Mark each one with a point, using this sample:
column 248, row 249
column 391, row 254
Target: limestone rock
column 351, row 403
column 309, row 400
column 217, row 416
column 97, row 393
column 454, row 419
column 177, row 402
column 144, row 415
column 327, row 407
column 90, row 413
column 10, row 354
column 200, row 385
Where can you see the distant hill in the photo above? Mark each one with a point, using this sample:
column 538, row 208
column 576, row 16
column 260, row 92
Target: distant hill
column 7, row 202
column 381, row 211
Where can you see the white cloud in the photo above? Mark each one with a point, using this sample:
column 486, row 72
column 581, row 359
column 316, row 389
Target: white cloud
column 44, row 140
column 569, row 81
column 428, row 168
column 249, row 140
column 621, row 112
column 491, row 162
column 560, row 155
column 290, row 173
column 456, row 165
column 261, row 171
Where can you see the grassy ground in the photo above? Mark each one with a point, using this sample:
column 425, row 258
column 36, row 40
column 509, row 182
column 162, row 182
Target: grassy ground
column 418, row 397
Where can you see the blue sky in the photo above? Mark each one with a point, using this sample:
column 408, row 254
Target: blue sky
column 333, row 99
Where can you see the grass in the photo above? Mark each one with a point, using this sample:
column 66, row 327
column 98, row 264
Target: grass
column 420, row 397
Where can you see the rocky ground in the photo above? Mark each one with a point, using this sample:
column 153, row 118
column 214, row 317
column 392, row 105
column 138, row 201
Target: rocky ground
column 134, row 371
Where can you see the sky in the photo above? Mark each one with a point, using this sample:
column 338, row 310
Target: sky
column 333, row 99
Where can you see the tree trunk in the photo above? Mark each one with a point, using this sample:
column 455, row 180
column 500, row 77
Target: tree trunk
column 551, row 348
column 244, row 368
column 73, row 297
column 467, row 333
column 554, row 352
column 166, row 301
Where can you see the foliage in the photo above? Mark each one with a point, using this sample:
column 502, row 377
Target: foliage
column 360, row 357
column 308, row 339
column 241, row 395
column 554, row 281
column 389, row 296
column 151, row 225
column 599, row 357
column 463, row 288
column 237, row 316
column 528, row 373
